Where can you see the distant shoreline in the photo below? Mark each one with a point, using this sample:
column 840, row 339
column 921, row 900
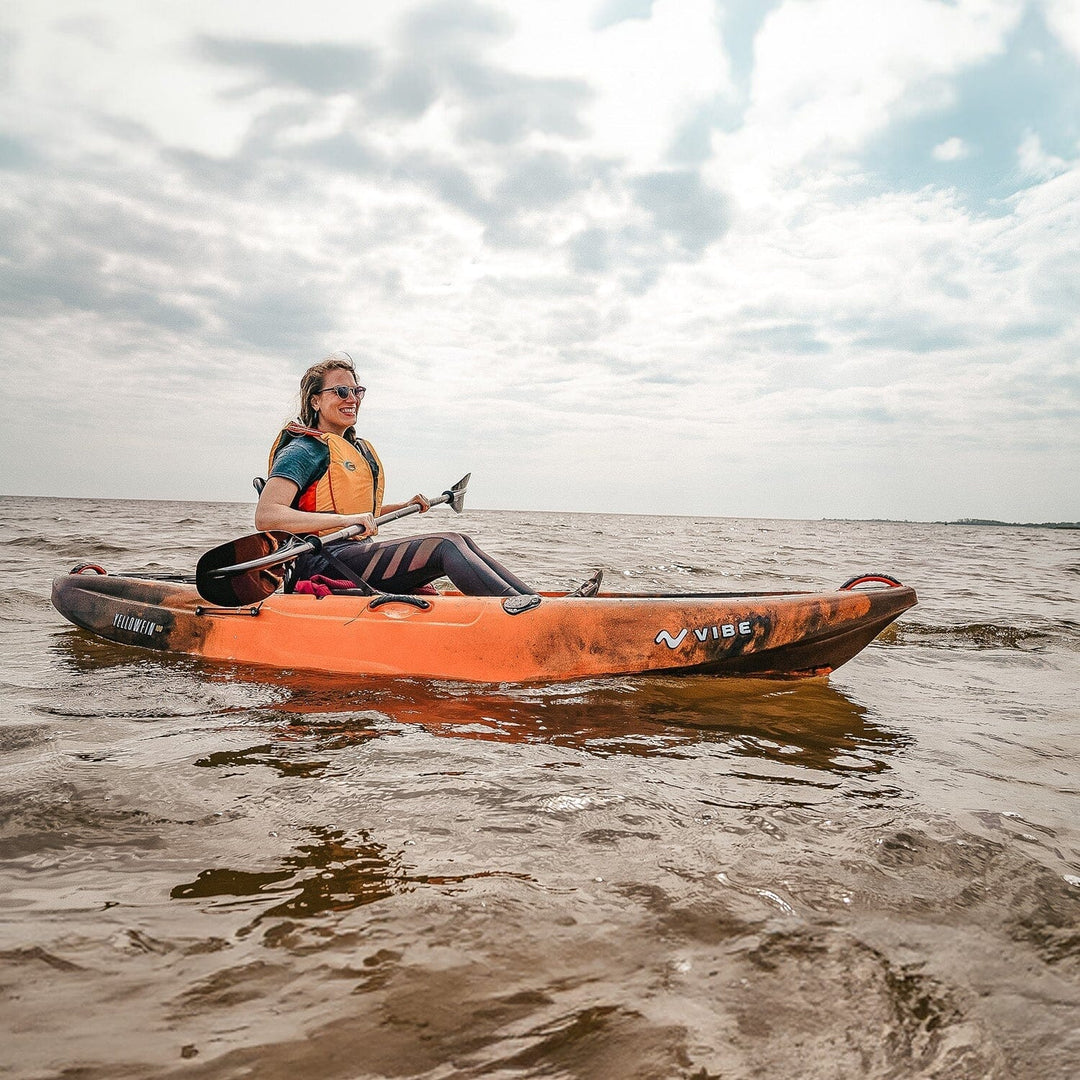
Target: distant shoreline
column 1015, row 524
column 969, row 521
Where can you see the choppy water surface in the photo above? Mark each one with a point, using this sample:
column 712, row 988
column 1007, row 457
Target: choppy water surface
column 204, row 873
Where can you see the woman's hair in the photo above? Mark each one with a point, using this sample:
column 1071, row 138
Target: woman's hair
column 312, row 383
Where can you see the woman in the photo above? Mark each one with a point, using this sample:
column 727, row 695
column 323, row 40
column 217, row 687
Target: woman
column 323, row 478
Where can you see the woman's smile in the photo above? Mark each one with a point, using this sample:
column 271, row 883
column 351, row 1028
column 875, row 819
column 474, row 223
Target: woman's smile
column 337, row 413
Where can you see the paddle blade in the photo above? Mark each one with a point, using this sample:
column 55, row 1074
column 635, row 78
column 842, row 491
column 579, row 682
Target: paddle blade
column 243, row 586
column 457, row 494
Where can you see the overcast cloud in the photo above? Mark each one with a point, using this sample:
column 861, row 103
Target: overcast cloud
column 796, row 258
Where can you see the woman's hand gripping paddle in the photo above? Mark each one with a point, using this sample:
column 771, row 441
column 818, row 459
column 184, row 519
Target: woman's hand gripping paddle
column 247, row 570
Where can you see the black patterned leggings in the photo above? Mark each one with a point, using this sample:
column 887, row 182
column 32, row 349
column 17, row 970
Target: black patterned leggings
column 399, row 566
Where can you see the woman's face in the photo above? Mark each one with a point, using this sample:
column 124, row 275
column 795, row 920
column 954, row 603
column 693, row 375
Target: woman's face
column 336, row 414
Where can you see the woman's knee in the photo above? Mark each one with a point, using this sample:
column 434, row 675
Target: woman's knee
column 460, row 541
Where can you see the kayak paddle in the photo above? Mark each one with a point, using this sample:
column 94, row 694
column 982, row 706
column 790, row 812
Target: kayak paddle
column 245, row 571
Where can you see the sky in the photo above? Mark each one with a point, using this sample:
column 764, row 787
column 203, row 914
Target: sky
column 779, row 258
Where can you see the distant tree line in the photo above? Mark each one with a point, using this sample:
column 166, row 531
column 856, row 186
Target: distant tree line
column 1017, row 524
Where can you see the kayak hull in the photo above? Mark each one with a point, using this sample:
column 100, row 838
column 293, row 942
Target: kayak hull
column 477, row 639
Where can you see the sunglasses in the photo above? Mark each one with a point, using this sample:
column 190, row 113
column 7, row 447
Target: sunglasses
column 346, row 392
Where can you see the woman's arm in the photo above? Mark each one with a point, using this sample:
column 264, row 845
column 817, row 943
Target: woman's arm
column 420, row 500
column 275, row 511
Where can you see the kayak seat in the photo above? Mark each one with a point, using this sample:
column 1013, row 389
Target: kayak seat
column 319, row 585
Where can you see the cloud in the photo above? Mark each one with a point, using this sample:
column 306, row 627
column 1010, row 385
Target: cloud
column 492, row 106
column 15, row 153
column 1063, row 18
column 683, row 207
column 648, row 73
column 871, row 62
column 91, row 254
column 319, row 68
column 952, row 149
column 505, row 108
column 407, row 92
column 1034, row 162
column 613, row 12
column 444, row 51
column 283, row 313
column 452, row 26
column 541, row 181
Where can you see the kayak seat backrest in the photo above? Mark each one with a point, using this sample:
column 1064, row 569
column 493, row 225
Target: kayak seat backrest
column 258, row 483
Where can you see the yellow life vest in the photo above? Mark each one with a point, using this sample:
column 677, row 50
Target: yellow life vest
column 353, row 482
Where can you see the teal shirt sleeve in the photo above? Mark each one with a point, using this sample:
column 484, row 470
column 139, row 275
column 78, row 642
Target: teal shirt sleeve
column 303, row 461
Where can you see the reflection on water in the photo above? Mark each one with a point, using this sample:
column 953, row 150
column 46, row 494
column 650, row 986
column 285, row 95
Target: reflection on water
column 809, row 723
column 335, row 873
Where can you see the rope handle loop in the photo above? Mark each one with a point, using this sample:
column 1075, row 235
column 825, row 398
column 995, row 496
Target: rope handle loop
column 871, row 579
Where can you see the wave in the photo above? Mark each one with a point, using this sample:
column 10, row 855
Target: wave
column 981, row 635
column 68, row 548
column 13, row 597
column 668, row 568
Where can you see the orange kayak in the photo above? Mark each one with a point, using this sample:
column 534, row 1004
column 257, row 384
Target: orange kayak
column 488, row 639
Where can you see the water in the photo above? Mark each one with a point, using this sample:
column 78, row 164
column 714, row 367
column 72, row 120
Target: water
column 207, row 874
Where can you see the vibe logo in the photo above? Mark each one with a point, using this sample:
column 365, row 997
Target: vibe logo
column 703, row 633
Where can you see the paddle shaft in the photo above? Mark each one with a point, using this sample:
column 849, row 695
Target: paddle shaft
column 294, row 551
